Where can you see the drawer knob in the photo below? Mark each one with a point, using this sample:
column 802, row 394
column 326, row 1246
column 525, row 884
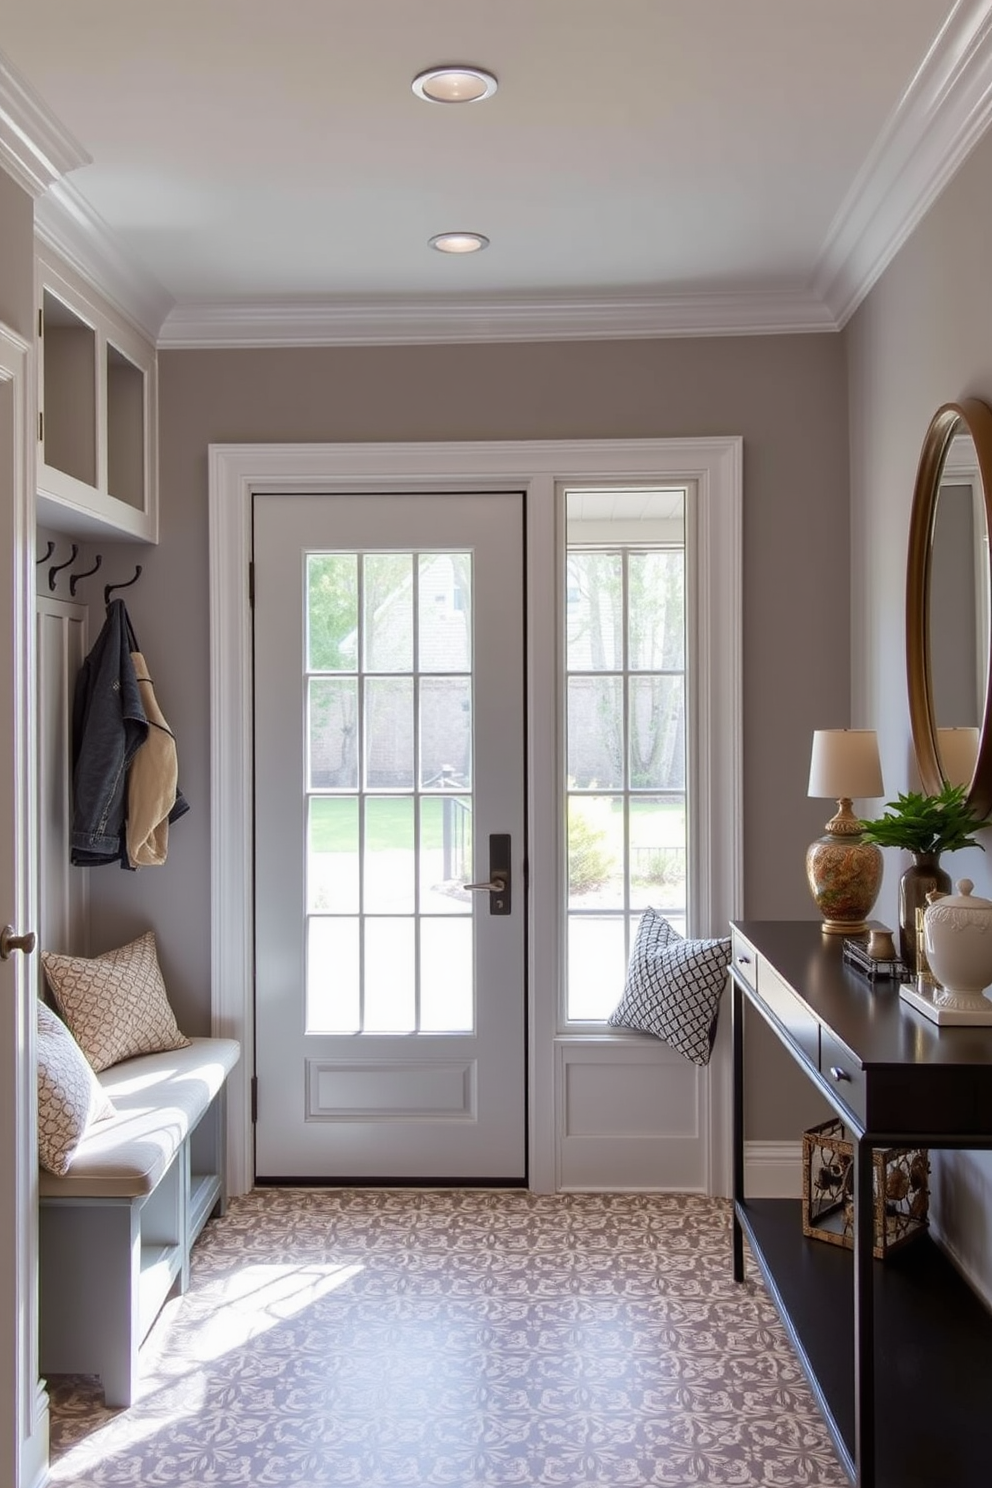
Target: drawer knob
column 743, row 960
column 838, row 1073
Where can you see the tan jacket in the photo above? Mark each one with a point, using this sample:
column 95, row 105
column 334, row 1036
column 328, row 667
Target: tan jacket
column 152, row 781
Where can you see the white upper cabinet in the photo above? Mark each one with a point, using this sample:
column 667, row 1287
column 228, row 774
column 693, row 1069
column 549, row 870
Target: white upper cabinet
column 97, row 403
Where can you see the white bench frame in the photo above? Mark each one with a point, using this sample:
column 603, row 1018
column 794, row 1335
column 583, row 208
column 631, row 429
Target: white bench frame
column 108, row 1264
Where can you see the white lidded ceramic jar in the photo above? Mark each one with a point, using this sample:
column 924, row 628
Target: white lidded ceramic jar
column 957, row 929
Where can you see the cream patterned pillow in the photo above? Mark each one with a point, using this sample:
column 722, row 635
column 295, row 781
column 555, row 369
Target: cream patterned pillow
column 115, row 1004
column 70, row 1097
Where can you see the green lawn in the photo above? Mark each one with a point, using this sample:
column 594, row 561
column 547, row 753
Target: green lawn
column 334, row 823
column 389, row 824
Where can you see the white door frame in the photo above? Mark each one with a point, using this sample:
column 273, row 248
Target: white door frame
column 23, row 1398
column 540, row 469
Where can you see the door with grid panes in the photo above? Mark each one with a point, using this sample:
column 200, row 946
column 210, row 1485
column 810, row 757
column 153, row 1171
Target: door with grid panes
column 389, row 776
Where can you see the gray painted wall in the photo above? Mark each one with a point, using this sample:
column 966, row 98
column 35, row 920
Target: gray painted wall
column 16, row 257
column 923, row 337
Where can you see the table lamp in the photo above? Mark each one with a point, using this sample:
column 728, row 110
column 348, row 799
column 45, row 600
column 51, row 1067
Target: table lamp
column 844, row 873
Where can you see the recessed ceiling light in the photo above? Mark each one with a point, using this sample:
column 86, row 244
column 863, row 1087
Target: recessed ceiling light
column 459, row 242
column 454, row 85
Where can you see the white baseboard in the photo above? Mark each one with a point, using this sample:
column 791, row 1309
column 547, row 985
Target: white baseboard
column 773, row 1170
column 960, row 1206
column 978, row 1280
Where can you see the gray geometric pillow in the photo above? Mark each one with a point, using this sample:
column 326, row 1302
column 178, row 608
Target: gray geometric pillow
column 674, row 987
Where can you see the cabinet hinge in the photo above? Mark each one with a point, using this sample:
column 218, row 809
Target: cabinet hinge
column 41, row 426
column 251, row 585
column 254, row 1098
column 41, row 324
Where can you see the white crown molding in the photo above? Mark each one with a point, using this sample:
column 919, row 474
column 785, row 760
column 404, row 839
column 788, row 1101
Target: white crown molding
column 66, row 222
column 942, row 114
column 34, row 147
column 421, row 320
column 938, row 120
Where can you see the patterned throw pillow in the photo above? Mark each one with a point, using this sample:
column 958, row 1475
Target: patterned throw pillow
column 70, row 1096
column 115, row 1004
column 674, row 987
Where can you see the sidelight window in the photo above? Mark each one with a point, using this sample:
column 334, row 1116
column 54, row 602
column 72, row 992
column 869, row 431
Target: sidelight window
column 626, row 731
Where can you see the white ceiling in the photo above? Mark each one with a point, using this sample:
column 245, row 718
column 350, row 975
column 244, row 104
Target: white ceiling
column 263, row 171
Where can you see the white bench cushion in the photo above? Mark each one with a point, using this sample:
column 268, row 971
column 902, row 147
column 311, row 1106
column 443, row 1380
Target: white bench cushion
column 159, row 1098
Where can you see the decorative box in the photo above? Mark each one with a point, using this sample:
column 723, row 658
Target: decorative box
column 872, row 967
column 901, row 1185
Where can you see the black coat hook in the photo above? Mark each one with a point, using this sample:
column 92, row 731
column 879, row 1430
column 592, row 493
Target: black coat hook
column 46, row 554
column 108, row 589
column 57, row 567
column 75, row 578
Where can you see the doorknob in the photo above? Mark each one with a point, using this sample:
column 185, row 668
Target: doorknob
column 497, row 885
column 11, row 942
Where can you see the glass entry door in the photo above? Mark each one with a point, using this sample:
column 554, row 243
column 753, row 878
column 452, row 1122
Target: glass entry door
column 390, row 1002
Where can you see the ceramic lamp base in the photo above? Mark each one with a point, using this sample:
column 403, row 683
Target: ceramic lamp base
column 844, row 876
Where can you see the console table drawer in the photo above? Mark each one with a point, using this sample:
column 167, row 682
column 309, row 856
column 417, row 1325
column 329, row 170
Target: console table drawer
column 843, row 1070
column 790, row 1012
column 745, row 959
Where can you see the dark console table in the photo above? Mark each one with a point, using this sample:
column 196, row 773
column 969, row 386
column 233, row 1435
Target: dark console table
column 898, row 1352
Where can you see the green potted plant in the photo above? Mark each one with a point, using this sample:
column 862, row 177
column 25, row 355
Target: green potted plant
column 925, row 826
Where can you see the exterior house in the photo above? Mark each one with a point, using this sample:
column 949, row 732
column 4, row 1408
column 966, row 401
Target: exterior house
column 832, row 424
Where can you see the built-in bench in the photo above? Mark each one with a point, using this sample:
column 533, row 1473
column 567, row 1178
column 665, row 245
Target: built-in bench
column 115, row 1232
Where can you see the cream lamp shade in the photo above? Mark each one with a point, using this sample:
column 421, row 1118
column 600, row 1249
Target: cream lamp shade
column 957, row 751
column 844, row 873
column 845, row 764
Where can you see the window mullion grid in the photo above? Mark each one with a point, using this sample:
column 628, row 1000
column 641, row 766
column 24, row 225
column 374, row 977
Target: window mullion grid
column 307, row 778
column 417, row 778
column 625, row 726
column 629, row 793
column 688, row 730
column 361, row 763
column 471, row 602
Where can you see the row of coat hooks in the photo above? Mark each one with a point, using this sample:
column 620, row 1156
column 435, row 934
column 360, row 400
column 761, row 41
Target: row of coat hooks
column 56, row 568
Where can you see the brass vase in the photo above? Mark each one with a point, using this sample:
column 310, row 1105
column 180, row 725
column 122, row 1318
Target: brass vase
column 922, row 876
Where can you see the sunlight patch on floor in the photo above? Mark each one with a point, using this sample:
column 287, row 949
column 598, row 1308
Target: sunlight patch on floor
column 226, row 1315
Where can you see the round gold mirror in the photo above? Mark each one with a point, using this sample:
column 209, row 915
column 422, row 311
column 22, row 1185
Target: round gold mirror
column 948, row 586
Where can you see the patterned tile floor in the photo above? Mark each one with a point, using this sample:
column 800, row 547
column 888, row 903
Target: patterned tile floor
column 457, row 1339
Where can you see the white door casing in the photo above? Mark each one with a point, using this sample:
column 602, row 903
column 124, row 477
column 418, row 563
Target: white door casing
column 540, row 469
column 23, row 1400
column 436, row 636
